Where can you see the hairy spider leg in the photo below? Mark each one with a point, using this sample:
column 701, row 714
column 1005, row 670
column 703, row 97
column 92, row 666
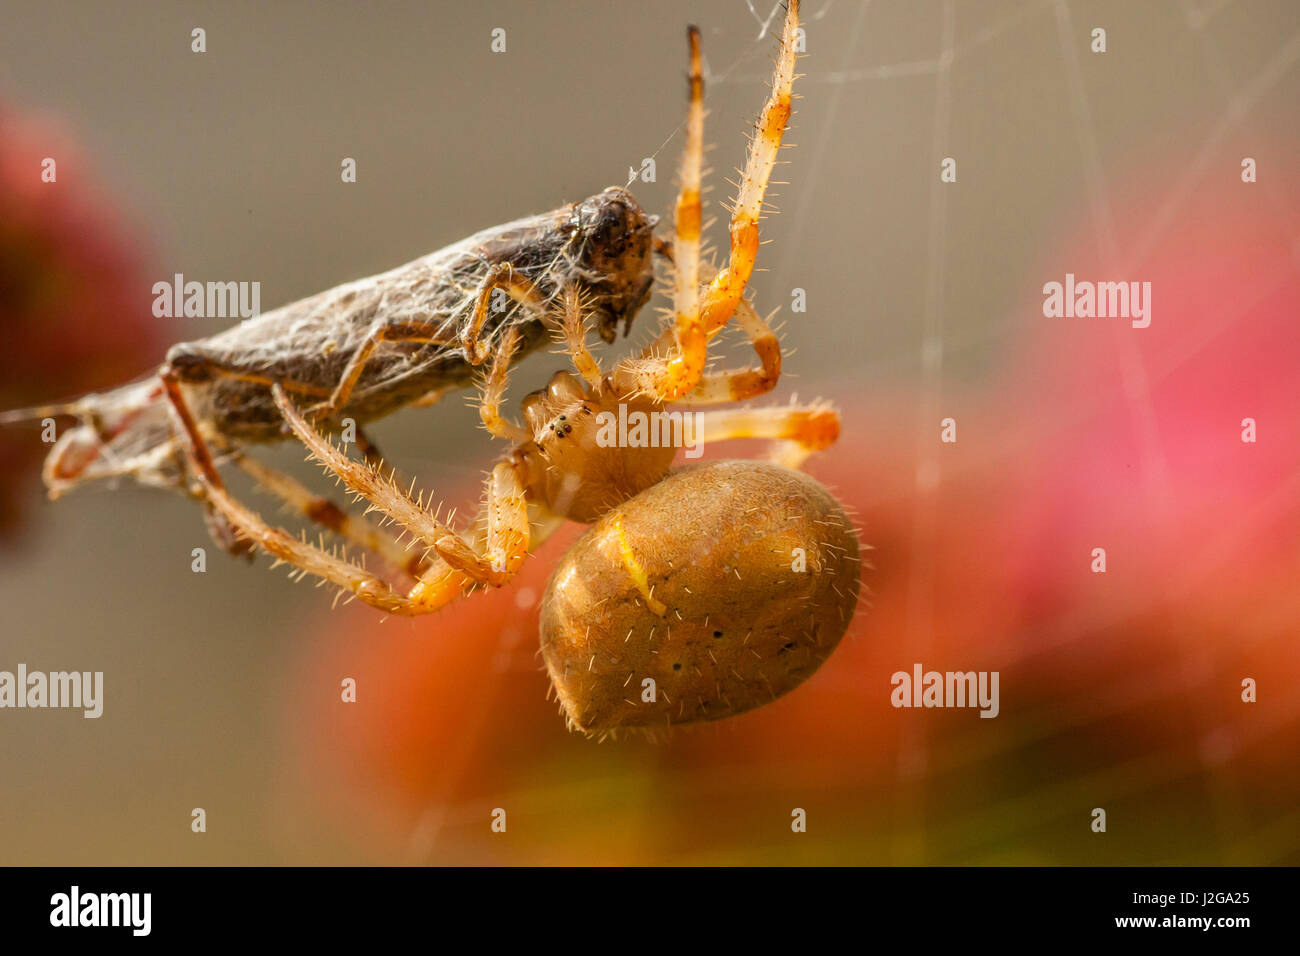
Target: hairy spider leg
column 329, row 515
column 795, row 430
column 572, row 333
column 669, row 378
column 505, row 541
column 493, row 390
column 674, row 375
column 507, row 536
column 460, row 567
column 738, row 384
column 731, row 385
column 729, row 284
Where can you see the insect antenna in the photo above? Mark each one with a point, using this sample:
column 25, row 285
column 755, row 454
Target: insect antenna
column 36, row 412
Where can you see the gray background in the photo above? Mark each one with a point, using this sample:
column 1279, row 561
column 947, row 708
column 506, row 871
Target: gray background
column 229, row 163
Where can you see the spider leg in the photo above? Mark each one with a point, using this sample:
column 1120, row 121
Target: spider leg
column 501, row 546
column 283, row 546
column 503, row 528
column 367, row 482
column 734, row 385
column 327, row 514
column 668, row 378
column 573, row 332
column 729, row 284
column 672, row 376
column 459, row 568
column 796, row 431
column 493, row 391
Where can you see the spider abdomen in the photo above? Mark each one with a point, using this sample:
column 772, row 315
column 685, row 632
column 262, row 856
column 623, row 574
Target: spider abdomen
column 716, row 590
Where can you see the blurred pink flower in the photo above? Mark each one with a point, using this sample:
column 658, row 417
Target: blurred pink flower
column 74, row 302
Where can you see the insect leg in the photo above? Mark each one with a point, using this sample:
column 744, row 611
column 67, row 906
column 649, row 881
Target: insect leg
column 796, row 431
column 500, row 276
column 199, row 458
column 493, row 390
column 193, row 368
column 433, row 396
column 413, row 331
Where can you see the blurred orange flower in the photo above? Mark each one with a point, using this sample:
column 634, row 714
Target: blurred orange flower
column 1119, row 690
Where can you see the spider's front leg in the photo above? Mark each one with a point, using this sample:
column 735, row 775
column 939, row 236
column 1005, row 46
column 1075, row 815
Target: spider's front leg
column 670, row 377
column 795, row 431
column 728, row 285
column 325, row 513
column 283, row 546
column 505, row 518
column 459, row 566
column 667, row 378
column 736, row 385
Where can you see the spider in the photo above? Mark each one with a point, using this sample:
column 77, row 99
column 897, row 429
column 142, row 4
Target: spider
column 715, row 587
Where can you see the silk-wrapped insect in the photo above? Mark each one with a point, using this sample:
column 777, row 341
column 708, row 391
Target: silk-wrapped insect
column 362, row 350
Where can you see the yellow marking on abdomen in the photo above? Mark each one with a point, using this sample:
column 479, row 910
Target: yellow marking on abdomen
column 634, row 569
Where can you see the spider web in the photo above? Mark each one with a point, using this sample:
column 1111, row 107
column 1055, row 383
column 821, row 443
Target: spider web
column 1237, row 100
column 1043, row 21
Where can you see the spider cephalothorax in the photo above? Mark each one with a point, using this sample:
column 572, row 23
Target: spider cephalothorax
column 570, row 466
